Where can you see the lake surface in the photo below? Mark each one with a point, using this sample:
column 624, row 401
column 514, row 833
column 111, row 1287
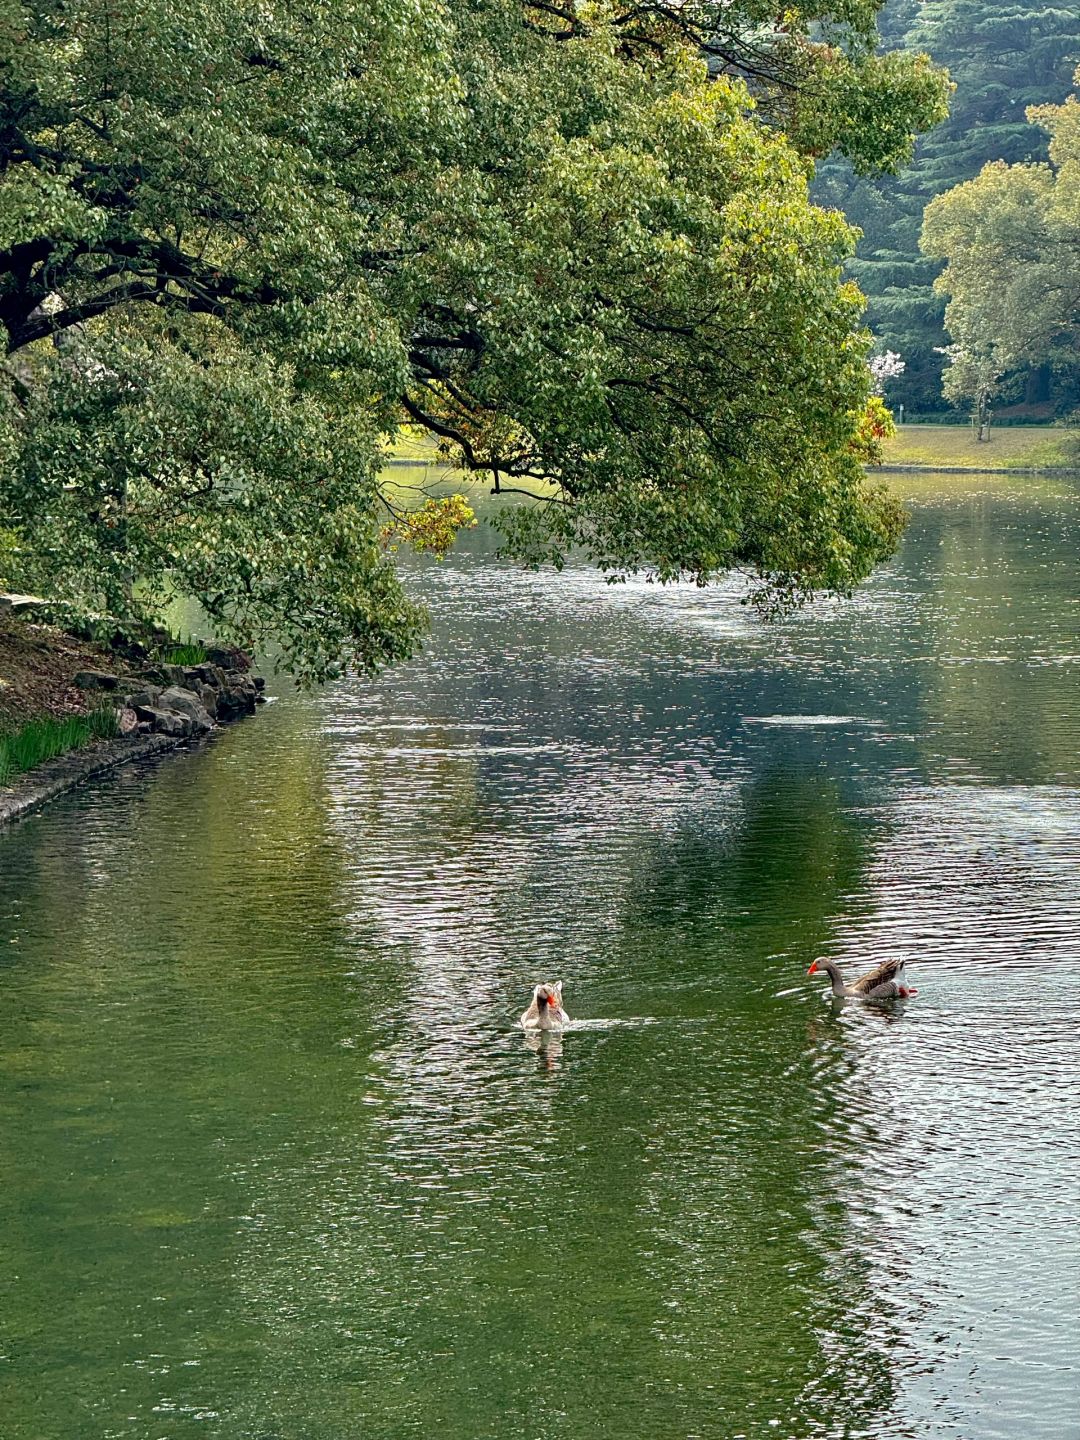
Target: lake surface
column 277, row 1165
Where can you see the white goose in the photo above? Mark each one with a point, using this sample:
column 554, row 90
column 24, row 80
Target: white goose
column 546, row 1011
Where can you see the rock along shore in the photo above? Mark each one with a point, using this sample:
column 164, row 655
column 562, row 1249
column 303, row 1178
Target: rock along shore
column 158, row 708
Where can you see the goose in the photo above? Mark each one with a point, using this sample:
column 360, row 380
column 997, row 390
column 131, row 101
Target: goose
column 885, row 983
column 545, row 1012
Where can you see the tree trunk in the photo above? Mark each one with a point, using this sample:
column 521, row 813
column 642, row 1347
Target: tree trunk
column 983, row 427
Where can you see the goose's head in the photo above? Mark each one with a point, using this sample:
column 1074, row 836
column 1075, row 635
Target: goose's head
column 548, row 995
column 823, row 966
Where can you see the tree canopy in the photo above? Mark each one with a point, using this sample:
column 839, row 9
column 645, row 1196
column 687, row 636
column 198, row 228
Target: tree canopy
column 1010, row 240
column 240, row 245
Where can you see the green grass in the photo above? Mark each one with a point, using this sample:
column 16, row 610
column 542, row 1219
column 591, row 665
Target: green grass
column 190, row 652
column 1013, row 447
column 44, row 739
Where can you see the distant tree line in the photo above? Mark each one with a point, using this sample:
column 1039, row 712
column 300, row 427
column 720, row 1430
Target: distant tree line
column 1004, row 56
column 1010, row 240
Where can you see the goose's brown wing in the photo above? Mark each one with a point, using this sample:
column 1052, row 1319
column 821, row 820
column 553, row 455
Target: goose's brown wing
column 882, row 981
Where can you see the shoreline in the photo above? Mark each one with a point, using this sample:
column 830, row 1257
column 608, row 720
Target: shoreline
column 951, row 449
column 158, row 705
column 66, row 772
column 905, row 468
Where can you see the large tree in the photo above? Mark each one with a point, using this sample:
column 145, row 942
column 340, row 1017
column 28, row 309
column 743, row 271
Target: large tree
column 1010, row 240
column 239, row 245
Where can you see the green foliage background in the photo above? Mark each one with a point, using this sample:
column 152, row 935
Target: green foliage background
column 1003, row 56
column 1010, row 240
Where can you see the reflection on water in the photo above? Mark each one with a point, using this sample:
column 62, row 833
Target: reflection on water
column 546, row 1047
column 279, row 1163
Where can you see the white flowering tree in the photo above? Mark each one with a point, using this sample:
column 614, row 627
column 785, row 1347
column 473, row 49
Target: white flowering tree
column 885, row 367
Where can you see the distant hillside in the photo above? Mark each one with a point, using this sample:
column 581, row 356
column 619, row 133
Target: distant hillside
column 1003, row 56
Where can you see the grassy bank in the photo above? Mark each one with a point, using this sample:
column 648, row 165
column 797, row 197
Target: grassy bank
column 930, row 447
column 40, row 740
column 941, row 447
column 42, row 712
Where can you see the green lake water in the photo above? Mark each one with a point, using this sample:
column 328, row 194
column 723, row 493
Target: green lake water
column 277, row 1165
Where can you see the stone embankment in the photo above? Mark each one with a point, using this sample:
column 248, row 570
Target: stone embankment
column 158, row 707
column 180, row 700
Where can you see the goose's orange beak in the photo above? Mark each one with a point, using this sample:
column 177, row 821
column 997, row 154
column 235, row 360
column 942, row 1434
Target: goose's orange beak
column 813, row 969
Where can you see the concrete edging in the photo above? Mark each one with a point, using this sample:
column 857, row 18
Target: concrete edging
column 55, row 777
column 898, row 469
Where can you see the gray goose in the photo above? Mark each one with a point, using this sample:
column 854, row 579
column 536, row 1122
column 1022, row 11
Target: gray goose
column 887, row 982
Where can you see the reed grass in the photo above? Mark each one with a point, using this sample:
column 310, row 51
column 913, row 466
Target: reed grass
column 44, row 739
column 188, row 652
